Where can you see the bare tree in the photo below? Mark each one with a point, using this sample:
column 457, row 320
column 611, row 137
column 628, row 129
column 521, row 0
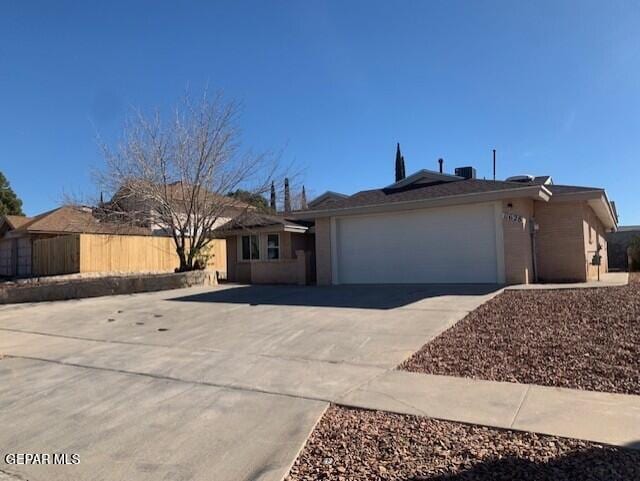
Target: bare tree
column 176, row 175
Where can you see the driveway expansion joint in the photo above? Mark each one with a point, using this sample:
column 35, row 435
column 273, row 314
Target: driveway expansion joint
column 228, row 387
column 522, row 400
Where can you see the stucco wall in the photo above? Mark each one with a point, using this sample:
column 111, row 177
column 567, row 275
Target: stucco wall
column 518, row 258
column 323, row 251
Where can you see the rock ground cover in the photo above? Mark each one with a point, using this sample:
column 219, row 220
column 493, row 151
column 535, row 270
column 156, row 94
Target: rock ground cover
column 357, row 445
column 579, row 338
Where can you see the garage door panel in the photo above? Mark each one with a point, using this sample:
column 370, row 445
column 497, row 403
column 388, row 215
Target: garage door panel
column 454, row 244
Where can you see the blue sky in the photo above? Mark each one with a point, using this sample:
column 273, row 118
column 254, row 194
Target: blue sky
column 554, row 86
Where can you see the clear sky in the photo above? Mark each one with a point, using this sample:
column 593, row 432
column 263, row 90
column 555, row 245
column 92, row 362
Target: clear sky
column 554, row 86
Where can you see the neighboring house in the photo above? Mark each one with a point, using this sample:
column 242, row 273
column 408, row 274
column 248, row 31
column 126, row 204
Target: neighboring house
column 618, row 243
column 18, row 233
column 433, row 227
column 138, row 205
column 70, row 240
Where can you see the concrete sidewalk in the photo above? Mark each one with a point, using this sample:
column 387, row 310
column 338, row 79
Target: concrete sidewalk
column 593, row 416
column 607, row 279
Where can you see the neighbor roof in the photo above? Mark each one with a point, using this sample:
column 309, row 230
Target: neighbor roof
column 71, row 219
column 252, row 220
column 326, row 199
column 16, row 221
column 177, row 194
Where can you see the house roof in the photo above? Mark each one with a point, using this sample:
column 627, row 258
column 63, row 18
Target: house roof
column 424, row 176
column 177, row 194
column 71, row 219
column 543, row 180
column 16, row 221
column 571, row 189
column 432, row 190
column 329, row 197
column 252, row 220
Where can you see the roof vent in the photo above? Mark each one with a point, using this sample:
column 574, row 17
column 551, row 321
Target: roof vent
column 466, row 172
column 521, row 178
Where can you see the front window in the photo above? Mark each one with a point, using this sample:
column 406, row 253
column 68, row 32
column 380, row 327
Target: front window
column 273, row 246
column 250, row 247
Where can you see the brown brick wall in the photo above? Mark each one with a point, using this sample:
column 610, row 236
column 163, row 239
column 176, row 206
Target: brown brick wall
column 518, row 259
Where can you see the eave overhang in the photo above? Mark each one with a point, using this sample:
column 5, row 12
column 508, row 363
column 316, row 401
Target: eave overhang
column 299, row 229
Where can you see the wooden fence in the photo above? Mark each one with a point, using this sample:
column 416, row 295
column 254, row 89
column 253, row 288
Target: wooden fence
column 56, row 255
column 114, row 253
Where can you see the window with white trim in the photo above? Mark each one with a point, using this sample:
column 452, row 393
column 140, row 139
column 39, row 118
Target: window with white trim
column 250, row 247
column 273, row 246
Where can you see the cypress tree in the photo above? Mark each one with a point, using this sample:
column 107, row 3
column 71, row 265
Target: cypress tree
column 399, row 164
column 303, row 199
column 287, row 196
column 272, row 204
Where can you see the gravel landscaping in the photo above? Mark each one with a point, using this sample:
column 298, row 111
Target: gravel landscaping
column 359, row 445
column 578, row 338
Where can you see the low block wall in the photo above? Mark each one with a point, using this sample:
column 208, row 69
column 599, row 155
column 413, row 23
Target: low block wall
column 102, row 286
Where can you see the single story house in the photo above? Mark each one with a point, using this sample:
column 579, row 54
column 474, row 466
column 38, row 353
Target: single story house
column 431, row 227
column 141, row 205
column 72, row 239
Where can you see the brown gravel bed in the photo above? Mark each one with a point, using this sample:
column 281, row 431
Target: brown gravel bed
column 358, row 445
column 578, row 338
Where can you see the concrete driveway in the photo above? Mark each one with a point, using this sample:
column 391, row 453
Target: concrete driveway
column 200, row 384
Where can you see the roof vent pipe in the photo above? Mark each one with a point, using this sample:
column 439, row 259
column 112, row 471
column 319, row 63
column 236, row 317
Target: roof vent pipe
column 440, row 161
column 494, row 164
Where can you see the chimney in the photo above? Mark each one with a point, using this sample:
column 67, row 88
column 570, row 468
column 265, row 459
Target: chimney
column 440, row 161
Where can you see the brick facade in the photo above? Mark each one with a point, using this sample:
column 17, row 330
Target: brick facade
column 566, row 241
column 518, row 254
column 293, row 266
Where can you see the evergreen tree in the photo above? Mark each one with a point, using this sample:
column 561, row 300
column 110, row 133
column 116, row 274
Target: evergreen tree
column 272, row 203
column 252, row 198
column 400, row 174
column 287, row 196
column 10, row 204
column 404, row 172
column 303, row 199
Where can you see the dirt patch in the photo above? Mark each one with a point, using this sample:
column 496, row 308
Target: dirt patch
column 358, row 445
column 578, row 338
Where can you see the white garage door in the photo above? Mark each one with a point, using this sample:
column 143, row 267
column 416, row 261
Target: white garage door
column 439, row 245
